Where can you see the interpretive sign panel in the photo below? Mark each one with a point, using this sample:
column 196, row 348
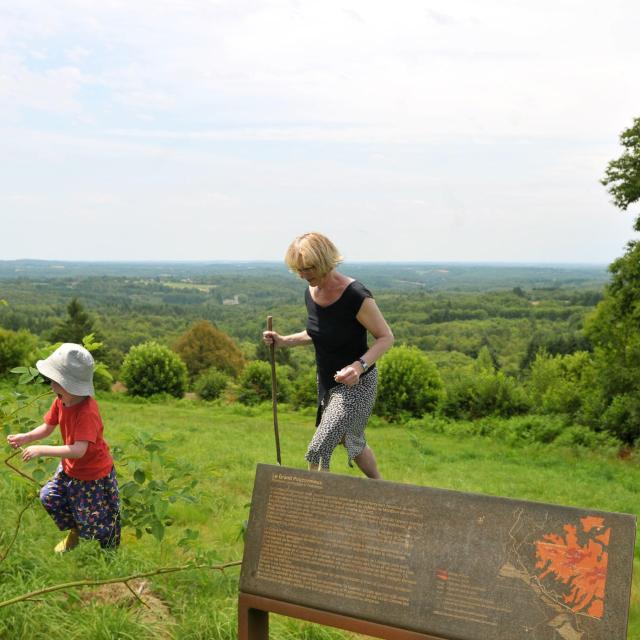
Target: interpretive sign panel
column 455, row 565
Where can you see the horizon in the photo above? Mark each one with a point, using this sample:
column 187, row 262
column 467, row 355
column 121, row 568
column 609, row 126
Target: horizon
column 46, row 261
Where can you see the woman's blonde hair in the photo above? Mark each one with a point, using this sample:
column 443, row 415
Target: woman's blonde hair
column 313, row 250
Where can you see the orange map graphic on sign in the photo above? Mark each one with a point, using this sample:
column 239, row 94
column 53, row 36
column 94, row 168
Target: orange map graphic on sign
column 582, row 567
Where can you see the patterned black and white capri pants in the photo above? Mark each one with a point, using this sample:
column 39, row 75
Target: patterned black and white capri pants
column 344, row 416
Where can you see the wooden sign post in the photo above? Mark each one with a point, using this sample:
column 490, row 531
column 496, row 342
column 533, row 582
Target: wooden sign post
column 415, row 563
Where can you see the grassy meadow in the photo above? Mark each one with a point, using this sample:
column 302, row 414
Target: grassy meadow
column 222, row 445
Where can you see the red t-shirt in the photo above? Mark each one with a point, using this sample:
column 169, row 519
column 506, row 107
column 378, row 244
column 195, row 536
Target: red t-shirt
column 82, row 421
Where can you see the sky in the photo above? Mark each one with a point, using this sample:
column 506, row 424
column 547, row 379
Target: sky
column 465, row 130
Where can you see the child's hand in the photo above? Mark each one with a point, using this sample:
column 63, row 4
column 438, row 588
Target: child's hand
column 31, row 452
column 17, row 439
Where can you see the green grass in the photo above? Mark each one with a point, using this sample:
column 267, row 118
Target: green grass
column 224, row 443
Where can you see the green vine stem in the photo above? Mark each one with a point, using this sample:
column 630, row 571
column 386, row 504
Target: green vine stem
column 4, row 555
column 136, row 596
column 24, row 475
column 124, row 580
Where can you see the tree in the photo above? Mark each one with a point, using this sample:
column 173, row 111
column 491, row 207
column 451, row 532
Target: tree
column 555, row 343
column 622, row 175
column 485, row 361
column 204, row 346
column 613, row 328
column 77, row 324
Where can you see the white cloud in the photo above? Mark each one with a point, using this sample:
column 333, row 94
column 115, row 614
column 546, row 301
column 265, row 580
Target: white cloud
column 479, row 114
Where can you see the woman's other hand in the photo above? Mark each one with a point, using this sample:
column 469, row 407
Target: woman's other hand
column 349, row 375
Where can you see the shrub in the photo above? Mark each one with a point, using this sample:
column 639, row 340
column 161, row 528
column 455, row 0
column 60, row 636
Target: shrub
column 409, row 384
column 16, row 349
column 204, row 346
column 255, row 383
column 557, row 383
column 484, row 393
column 285, row 378
column 522, row 429
column 539, row 429
column 211, row 384
column 263, row 352
column 305, row 388
column 581, row 436
column 153, row 368
column 622, row 418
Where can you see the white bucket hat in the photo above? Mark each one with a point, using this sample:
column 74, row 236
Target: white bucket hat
column 71, row 366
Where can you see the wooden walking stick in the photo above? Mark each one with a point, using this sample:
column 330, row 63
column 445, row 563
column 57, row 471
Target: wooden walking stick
column 274, row 390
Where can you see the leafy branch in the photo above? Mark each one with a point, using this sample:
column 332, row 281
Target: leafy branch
column 27, row 404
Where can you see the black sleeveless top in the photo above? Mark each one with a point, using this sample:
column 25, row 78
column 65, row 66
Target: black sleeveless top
column 339, row 339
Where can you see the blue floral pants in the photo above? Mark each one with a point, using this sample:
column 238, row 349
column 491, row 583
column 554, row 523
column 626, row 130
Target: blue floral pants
column 91, row 506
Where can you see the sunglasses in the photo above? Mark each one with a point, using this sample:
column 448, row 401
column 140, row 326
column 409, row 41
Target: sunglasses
column 305, row 269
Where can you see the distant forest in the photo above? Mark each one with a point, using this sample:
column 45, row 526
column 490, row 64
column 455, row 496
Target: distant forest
column 441, row 308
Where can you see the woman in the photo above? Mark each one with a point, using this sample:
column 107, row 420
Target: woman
column 340, row 313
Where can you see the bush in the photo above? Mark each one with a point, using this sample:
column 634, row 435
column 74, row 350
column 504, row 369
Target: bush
column 16, row 349
column 204, row 346
column 410, row 384
column 622, row 418
column 522, row 429
column 484, row 393
column 211, row 384
column 581, row 436
column 557, row 383
column 152, row 368
column 305, row 388
column 255, row 383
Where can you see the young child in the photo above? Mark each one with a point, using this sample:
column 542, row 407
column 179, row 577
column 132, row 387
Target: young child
column 82, row 496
